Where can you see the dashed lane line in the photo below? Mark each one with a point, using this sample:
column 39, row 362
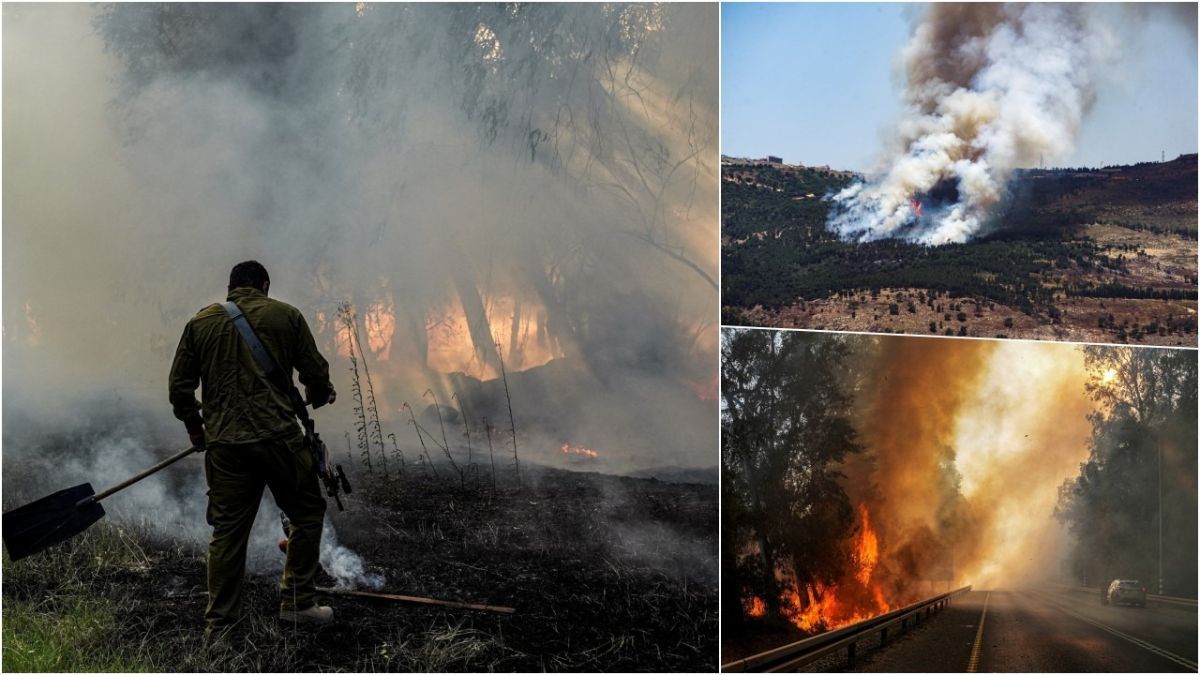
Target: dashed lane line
column 973, row 661
column 1190, row 665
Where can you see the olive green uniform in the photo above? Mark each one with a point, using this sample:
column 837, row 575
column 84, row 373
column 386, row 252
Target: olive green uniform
column 253, row 440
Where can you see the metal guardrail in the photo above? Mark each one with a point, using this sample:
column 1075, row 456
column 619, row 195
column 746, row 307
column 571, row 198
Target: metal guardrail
column 1150, row 597
column 1170, row 600
column 810, row 649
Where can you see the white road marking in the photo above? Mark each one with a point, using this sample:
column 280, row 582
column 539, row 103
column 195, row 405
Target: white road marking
column 1190, row 665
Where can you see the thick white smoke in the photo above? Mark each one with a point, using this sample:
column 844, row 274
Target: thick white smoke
column 345, row 565
column 990, row 88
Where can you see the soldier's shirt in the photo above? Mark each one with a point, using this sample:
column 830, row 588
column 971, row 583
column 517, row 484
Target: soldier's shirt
column 239, row 406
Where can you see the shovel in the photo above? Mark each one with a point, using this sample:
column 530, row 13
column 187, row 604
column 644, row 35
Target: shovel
column 39, row 525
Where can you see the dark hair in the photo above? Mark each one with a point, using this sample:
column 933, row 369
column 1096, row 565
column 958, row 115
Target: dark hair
column 248, row 274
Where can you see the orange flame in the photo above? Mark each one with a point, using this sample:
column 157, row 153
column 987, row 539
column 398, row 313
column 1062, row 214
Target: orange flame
column 856, row 598
column 866, row 548
column 451, row 348
column 568, row 450
column 754, row 606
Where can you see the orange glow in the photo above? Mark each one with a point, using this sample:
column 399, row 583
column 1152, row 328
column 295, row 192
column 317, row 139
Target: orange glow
column 451, row 348
column 380, row 322
column 855, row 599
column 568, row 450
column 866, row 548
column 754, row 606
column 343, row 337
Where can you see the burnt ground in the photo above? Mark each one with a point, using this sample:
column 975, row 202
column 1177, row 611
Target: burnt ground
column 606, row 574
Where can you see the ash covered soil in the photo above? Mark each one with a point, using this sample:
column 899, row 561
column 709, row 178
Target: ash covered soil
column 606, row 573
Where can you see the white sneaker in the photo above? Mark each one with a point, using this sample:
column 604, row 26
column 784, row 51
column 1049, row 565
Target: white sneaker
column 314, row 614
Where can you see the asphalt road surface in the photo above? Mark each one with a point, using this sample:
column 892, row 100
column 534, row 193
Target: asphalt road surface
column 1044, row 630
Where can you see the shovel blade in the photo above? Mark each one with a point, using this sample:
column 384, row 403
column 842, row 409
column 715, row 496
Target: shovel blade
column 50, row 520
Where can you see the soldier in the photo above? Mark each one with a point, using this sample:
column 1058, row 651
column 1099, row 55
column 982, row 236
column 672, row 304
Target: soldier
column 252, row 439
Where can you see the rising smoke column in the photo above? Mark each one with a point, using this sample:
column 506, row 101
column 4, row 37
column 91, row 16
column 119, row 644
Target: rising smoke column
column 966, row 443
column 990, row 88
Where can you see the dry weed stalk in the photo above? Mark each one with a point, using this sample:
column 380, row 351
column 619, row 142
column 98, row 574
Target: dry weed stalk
column 424, row 449
column 399, row 454
column 462, row 480
column 346, row 314
column 372, row 407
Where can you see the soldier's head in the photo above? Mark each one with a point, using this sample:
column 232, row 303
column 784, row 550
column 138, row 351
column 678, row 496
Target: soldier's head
column 249, row 274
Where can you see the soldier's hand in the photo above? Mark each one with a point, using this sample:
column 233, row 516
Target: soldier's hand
column 195, row 431
column 198, row 441
column 316, row 399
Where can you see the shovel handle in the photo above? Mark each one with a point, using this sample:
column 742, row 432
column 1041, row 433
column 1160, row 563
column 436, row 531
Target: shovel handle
column 154, row 469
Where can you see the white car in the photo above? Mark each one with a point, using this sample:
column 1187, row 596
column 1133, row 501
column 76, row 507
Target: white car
column 1124, row 591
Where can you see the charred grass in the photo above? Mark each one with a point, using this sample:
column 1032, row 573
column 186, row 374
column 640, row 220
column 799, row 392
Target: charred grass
column 605, row 573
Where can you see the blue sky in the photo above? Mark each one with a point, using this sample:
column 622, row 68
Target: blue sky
column 819, row 84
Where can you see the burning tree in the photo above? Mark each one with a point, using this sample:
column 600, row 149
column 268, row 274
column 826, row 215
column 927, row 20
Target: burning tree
column 785, row 428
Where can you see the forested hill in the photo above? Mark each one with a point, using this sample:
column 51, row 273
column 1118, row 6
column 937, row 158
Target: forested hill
column 776, row 250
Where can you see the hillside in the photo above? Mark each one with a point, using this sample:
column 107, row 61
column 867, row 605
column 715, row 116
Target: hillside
column 1105, row 255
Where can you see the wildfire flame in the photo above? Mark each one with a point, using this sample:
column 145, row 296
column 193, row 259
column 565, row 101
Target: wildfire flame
column 754, row 606
column 857, row 598
column 585, row 452
column 866, row 548
column 451, row 348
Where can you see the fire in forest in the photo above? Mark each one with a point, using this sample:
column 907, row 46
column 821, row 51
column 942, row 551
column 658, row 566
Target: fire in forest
column 568, row 449
column 856, row 597
column 945, row 471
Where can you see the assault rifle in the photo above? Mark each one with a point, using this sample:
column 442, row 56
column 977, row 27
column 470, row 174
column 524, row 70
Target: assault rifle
column 331, row 475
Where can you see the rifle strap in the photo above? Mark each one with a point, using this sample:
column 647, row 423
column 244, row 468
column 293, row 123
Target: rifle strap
column 262, row 357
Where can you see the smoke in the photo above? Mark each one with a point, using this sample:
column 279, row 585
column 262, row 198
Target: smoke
column 966, row 445
column 990, row 88
column 535, row 177
column 345, row 565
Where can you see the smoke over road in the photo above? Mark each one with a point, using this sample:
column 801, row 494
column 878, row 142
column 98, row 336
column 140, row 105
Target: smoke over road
column 989, row 88
column 533, row 184
column 966, row 445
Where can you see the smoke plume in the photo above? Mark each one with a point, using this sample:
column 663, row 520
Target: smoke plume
column 990, row 88
column 344, row 565
column 526, row 184
column 966, row 444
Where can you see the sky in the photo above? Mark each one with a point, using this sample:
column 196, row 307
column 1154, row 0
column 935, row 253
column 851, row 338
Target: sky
column 820, row 84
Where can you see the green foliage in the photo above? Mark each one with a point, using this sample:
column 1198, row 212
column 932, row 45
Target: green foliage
column 778, row 250
column 785, row 427
column 1147, row 415
column 73, row 638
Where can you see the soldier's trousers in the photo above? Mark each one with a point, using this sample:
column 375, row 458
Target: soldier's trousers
column 236, row 476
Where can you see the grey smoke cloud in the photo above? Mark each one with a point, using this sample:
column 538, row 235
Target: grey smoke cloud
column 989, row 88
column 432, row 161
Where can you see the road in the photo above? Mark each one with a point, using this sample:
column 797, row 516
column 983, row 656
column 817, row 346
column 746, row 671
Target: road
column 1044, row 630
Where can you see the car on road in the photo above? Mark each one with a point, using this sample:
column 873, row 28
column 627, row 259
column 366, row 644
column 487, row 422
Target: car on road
column 1124, row 591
